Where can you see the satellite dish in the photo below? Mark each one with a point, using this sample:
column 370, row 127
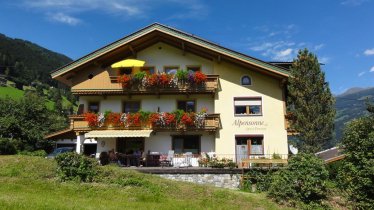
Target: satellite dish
column 293, row 149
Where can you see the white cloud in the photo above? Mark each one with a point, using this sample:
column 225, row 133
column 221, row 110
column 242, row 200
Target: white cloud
column 318, row 47
column 361, row 74
column 279, row 50
column 372, row 69
column 63, row 18
column 283, row 54
column 369, row 52
column 324, row 59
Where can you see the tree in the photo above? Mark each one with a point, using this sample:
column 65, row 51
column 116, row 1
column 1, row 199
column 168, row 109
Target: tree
column 27, row 121
column 310, row 102
column 356, row 175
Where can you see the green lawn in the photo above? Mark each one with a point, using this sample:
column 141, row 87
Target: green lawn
column 30, row 183
column 17, row 94
column 11, row 92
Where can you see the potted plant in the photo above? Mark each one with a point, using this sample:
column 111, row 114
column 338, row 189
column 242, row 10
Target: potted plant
column 113, row 119
column 169, row 119
column 134, row 119
column 165, row 80
column 152, row 80
column 138, row 79
column 125, row 81
column 91, row 118
column 199, row 78
column 144, row 118
column 182, row 76
column 187, row 119
column 154, row 119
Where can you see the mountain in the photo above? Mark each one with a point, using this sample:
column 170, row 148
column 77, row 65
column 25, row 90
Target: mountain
column 351, row 105
column 25, row 62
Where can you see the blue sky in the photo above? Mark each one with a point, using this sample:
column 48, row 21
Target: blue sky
column 340, row 32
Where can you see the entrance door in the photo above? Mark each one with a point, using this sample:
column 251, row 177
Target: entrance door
column 130, row 145
column 248, row 147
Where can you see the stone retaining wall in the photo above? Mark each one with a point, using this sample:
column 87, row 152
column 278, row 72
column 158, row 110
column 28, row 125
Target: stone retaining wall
column 230, row 181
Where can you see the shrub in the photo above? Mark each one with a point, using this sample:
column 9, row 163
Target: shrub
column 72, row 166
column 38, row 153
column 304, row 181
column 356, row 175
column 259, row 178
column 7, row 147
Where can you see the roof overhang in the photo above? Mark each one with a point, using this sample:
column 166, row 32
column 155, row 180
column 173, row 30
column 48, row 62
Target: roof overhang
column 154, row 33
column 118, row 133
column 61, row 134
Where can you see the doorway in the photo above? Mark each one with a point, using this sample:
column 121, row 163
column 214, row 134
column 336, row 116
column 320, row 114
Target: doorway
column 248, row 146
column 130, row 145
column 89, row 149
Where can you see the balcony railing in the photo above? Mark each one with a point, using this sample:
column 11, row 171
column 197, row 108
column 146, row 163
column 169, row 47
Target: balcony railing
column 114, row 88
column 211, row 124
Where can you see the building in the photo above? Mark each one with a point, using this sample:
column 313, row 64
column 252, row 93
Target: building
column 244, row 97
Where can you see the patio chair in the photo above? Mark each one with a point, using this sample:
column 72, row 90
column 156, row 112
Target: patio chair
column 168, row 161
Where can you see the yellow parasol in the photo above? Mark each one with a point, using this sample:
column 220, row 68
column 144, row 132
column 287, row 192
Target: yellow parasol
column 128, row 63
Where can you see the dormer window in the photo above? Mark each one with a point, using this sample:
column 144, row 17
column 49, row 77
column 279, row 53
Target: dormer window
column 246, row 80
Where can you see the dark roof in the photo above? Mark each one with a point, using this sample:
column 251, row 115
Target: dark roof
column 331, row 155
column 175, row 32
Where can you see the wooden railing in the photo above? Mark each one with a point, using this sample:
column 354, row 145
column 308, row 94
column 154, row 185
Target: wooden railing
column 211, row 123
column 210, row 86
column 287, row 118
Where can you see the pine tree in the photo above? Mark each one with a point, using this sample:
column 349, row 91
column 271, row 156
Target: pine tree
column 310, row 102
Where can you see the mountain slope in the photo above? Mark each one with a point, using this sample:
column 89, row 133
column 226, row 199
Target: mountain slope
column 25, row 62
column 350, row 105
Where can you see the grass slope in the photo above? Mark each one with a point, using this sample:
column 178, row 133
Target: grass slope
column 17, row 94
column 30, row 183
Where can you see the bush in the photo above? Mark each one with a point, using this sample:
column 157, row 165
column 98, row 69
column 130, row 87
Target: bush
column 7, row 147
column 72, row 166
column 356, row 176
column 303, row 182
column 38, row 153
column 258, row 178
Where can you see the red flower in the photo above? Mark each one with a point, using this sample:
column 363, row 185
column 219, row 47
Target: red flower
column 124, row 80
column 169, row 118
column 134, row 119
column 154, row 118
column 200, row 77
column 164, row 79
column 91, row 118
column 114, row 119
column 187, row 119
column 152, row 80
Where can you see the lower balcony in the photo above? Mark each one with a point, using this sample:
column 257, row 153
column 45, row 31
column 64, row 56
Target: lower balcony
column 209, row 123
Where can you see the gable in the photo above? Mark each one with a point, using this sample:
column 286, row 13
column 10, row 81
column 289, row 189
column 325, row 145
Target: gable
column 133, row 43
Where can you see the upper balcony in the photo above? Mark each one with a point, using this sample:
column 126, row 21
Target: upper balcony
column 156, row 84
column 155, row 121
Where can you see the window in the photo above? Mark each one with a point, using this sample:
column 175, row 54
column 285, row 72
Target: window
column 183, row 144
column 93, row 107
column 126, row 71
column 187, row 106
column 131, row 106
column 148, row 69
column 193, row 69
column 248, row 106
column 246, row 80
column 171, row 69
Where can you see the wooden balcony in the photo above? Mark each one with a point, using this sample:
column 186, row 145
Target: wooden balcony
column 114, row 88
column 287, row 118
column 211, row 124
